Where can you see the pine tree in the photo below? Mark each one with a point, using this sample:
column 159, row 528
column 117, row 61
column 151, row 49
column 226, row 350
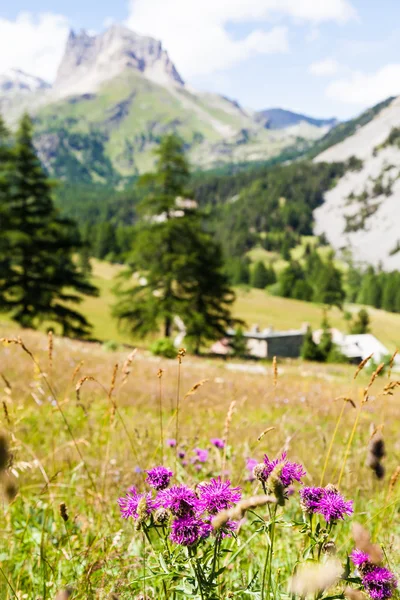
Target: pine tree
column 238, row 344
column 288, row 278
column 5, row 183
column 179, row 267
column 44, row 280
column 325, row 345
column 260, row 276
column 309, row 349
column 361, row 324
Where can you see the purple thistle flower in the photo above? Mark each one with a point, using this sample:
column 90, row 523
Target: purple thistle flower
column 171, row 443
column 379, row 583
column 201, row 455
column 188, row 530
column 179, row 499
column 310, row 498
column 333, row 506
column 218, row 443
column 159, row 477
column 290, row 471
column 217, row 495
column 359, row 558
column 327, row 502
column 181, row 454
column 128, row 505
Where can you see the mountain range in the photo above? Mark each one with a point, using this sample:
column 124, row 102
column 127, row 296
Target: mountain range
column 117, row 93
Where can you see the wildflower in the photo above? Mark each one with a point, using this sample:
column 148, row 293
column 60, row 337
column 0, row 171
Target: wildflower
column 378, row 581
column 159, row 477
column 359, row 558
column 218, row 443
column 132, row 504
column 327, row 502
column 217, row 495
column 289, row 471
column 333, row 506
column 250, row 464
column 188, row 530
column 181, row 454
column 201, row 455
column 171, row 443
column 179, row 499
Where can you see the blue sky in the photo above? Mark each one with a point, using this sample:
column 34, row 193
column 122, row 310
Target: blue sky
column 321, row 57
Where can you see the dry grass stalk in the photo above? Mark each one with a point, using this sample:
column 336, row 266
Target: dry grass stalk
column 371, row 381
column 394, row 479
column 346, row 399
column 354, row 594
column 275, row 370
column 111, row 391
column 260, row 437
column 195, row 388
column 7, row 383
column 363, row 542
column 126, row 367
column 237, row 512
column 228, row 420
column 390, row 387
column 362, row 365
column 315, row 577
column 80, row 384
column 181, row 354
column 50, row 348
column 64, row 594
column 64, row 512
column 5, row 410
column 76, row 370
column 391, row 363
column 376, row 452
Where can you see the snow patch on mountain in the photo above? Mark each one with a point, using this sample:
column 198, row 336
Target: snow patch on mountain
column 16, row 81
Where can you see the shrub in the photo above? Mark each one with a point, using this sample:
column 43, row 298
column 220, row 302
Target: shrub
column 164, row 347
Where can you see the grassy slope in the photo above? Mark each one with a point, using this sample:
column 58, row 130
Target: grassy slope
column 133, row 112
column 254, row 306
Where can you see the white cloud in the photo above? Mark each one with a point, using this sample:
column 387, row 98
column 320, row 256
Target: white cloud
column 195, row 33
column 33, row 44
column 329, row 66
column 367, row 88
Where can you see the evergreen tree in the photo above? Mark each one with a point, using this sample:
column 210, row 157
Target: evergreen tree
column 325, row 345
column 238, row 343
column 5, row 183
column 309, row 349
column 328, row 288
column 178, row 265
column 389, row 293
column 43, row 281
column 371, row 289
column 260, row 276
column 361, row 324
column 288, row 278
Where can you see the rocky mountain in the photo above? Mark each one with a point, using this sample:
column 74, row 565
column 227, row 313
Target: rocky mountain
column 15, row 81
column 90, row 60
column 362, row 212
column 117, row 93
column 278, row 118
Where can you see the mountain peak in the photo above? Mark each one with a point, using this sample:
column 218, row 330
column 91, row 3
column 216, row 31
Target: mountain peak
column 17, row 81
column 89, row 60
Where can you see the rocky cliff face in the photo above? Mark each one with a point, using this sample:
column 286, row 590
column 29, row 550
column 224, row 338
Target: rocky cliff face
column 15, row 81
column 362, row 212
column 89, row 60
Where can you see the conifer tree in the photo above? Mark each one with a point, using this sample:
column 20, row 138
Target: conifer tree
column 361, row 324
column 309, row 349
column 260, row 276
column 178, row 266
column 5, row 183
column 44, row 281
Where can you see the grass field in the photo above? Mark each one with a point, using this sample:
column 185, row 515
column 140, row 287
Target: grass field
column 253, row 306
column 84, row 450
